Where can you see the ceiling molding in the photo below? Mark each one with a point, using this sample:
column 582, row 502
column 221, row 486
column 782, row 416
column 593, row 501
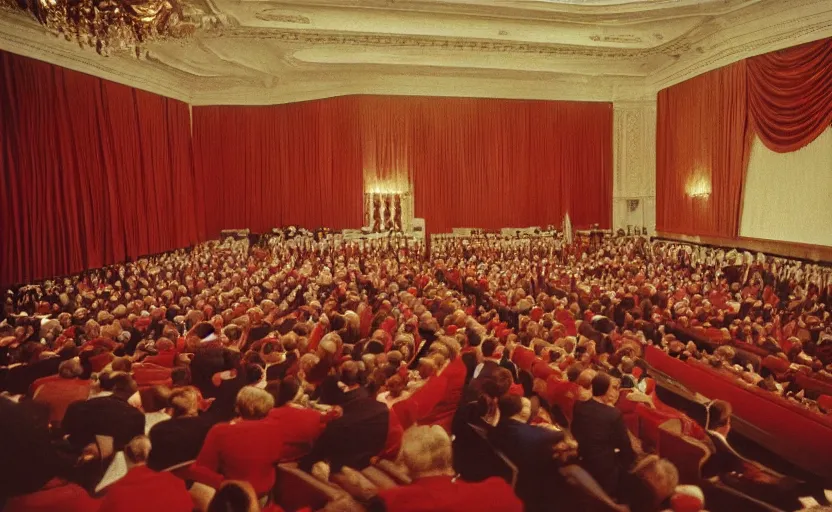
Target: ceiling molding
column 260, row 52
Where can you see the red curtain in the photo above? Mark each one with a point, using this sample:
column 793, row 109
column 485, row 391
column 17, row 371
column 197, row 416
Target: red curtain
column 488, row 163
column 472, row 162
column 706, row 125
column 700, row 153
column 790, row 95
column 279, row 165
column 92, row 172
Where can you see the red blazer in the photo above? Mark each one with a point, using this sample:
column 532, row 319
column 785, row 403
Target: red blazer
column 299, row 428
column 443, row 412
column 58, row 394
column 247, row 450
column 395, row 432
column 40, row 382
column 55, row 495
column 143, row 489
column 442, row 494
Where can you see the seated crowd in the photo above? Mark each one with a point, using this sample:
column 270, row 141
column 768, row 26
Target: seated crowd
column 494, row 373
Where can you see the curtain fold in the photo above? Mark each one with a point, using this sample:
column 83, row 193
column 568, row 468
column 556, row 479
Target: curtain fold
column 482, row 163
column 95, row 173
column 790, row 95
column 92, row 172
column 264, row 167
column 706, row 126
column 701, row 153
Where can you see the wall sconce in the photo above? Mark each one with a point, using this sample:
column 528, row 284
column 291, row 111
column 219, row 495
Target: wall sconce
column 698, row 186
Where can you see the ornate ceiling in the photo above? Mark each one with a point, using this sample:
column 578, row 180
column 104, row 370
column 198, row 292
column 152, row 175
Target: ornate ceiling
column 262, row 51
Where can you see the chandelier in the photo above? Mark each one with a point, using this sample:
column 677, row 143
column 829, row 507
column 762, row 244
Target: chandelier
column 108, row 25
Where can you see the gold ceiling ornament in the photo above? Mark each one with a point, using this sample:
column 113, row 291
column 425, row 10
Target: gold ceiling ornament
column 109, row 25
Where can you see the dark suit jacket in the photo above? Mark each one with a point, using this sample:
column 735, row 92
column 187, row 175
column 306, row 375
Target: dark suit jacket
column 354, row 438
column 107, row 416
column 278, row 371
column 473, row 390
column 600, row 430
column 470, row 359
column 19, row 378
column 177, row 440
column 530, row 449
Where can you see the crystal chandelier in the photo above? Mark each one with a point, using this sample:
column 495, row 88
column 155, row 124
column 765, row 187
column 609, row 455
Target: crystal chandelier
column 108, row 25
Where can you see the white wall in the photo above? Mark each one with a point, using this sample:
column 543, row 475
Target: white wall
column 788, row 196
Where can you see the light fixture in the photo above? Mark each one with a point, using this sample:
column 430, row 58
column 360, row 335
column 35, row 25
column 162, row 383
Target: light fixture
column 108, row 25
column 698, row 185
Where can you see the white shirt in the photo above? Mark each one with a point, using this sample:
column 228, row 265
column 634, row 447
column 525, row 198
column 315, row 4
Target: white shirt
column 152, row 418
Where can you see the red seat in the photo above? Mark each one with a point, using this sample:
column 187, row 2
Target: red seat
column 685, row 452
column 295, row 489
column 563, row 394
column 813, row 384
column 801, row 436
column 650, row 422
column 628, row 410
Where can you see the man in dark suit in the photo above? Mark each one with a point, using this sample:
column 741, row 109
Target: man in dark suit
column 489, row 363
column 603, row 443
column 531, row 449
column 180, row 438
column 357, row 436
column 746, row 475
column 470, row 353
column 109, row 415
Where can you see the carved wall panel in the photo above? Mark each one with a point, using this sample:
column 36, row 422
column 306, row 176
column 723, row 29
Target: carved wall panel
column 634, row 172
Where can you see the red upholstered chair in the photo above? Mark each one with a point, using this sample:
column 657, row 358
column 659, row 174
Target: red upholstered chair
column 628, row 402
column 825, row 402
column 592, row 496
column 689, row 426
column 563, row 394
column 685, row 452
column 812, row 384
column 650, row 422
column 295, row 489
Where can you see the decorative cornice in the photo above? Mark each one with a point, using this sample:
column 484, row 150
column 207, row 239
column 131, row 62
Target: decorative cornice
column 723, row 48
column 315, row 37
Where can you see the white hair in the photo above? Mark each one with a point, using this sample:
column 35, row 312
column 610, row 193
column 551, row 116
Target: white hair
column 254, row 403
column 426, row 450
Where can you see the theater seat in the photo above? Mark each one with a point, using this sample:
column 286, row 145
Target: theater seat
column 355, row 483
column 719, row 496
column 685, row 452
column 649, row 426
column 295, row 489
column 507, row 470
column 628, row 402
column 592, row 496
